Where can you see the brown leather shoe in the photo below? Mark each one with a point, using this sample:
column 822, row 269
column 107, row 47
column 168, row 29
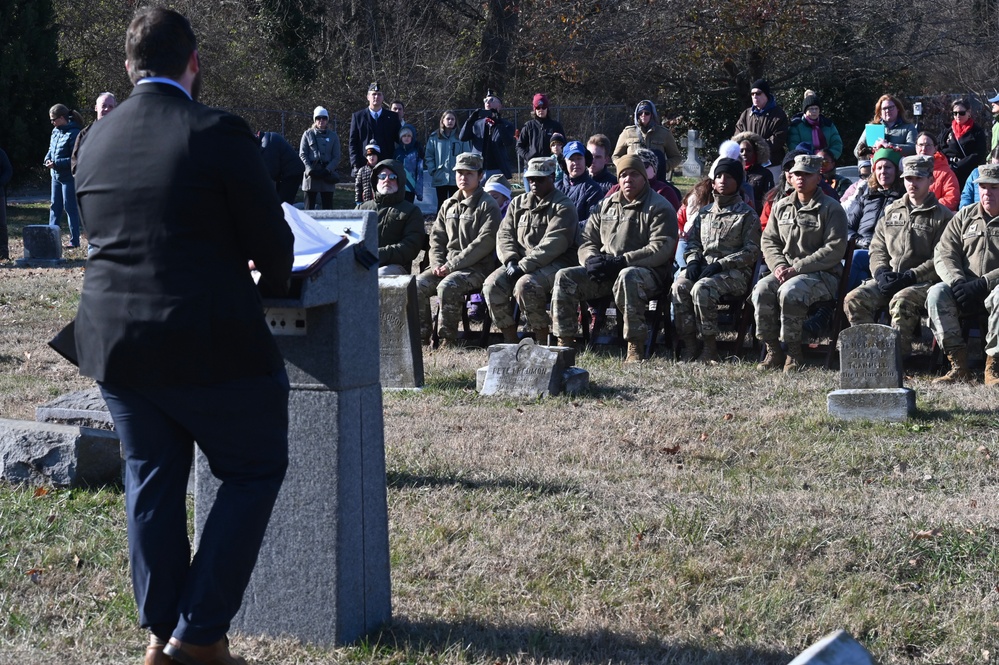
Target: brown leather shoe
column 154, row 652
column 192, row 654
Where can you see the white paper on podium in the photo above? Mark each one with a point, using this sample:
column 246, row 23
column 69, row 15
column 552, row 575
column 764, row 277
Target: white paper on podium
column 312, row 239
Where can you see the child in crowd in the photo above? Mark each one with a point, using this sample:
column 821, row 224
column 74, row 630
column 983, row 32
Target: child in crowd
column 362, row 183
column 556, row 144
column 408, row 152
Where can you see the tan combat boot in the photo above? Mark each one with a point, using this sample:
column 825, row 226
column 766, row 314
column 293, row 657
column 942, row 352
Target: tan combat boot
column 958, row 368
column 689, row 351
column 510, row 335
column 636, row 353
column 567, row 342
column 795, row 361
column 775, row 355
column 709, row 354
column 541, row 336
column 991, row 371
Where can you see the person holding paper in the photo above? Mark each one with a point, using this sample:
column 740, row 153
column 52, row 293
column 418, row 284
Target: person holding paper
column 898, row 133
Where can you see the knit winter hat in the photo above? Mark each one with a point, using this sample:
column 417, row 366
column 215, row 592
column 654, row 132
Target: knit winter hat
column 761, row 84
column 887, row 153
column 540, row 100
column 633, row 162
column 648, row 158
column 810, row 100
column 732, row 167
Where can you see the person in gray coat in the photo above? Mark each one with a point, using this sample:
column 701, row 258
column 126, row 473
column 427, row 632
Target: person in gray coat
column 320, row 152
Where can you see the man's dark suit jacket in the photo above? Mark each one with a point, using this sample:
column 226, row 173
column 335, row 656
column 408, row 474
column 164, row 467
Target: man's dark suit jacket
column 364, row 130
column 176, row 200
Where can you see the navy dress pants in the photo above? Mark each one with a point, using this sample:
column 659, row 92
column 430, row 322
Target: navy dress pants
column 242, row 428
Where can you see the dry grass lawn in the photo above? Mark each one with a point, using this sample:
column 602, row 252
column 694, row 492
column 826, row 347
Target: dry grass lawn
column 675, row 514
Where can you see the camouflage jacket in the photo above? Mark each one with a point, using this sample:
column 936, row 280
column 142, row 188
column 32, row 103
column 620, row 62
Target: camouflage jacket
column 726, row 232
column 464, row 235
column 809, row 237
column 969, row 247
column 643, row 231
column 538, row 232
column 905, row 237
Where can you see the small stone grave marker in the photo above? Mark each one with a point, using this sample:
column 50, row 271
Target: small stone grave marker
column 401, row 358
column 529, row 370
column 694, row 166
column 870, row 376
column 42, row 246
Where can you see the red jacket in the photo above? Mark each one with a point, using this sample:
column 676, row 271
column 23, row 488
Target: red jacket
column 945, row 186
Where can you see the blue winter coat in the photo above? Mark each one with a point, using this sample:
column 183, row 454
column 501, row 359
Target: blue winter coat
column 61, row 150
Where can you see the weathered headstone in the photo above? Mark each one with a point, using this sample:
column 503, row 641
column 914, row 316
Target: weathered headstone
column 837, row 648
column 870, row 376
column 399, row 326
column 60, row 455
column 84, row 408
column 323, row 571
column 42, row 246
column 529, row 370
column 693, row 167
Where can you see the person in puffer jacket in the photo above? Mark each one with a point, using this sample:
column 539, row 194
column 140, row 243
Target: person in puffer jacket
column 66, row 125
column 400, row 222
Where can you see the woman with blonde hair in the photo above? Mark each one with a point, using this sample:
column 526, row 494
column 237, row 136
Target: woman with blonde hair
column 899, row 134
column 443, row 147
column 66, row 125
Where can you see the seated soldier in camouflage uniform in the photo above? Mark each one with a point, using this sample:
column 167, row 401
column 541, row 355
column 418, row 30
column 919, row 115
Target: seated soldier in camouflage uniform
column 536, row 239
column 901, row 254
column 722, row 248
column 967, row 260
column 803, row 245
column 626, row 251
column 462, row 244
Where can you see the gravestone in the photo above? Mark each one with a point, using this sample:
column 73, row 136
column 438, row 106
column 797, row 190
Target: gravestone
column 58, row 455
column 529, row 370
column 837, row 648
column 693, row 167
column 399, row 327
column 322, row 576
column 870, row 376
column 85, row 408
column 42, row 246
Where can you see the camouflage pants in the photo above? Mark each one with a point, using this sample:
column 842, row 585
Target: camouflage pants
column 532, row 292
column 633, row 288
column 992, row 334
column 696, row 303
column 781, row 308
column 905, row 307
column 944, row 322
column 451, row 291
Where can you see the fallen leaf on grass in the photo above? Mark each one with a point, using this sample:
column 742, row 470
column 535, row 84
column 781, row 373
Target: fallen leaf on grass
column 985, row 451
column 77, row 561
column 927, row 533
column 520, row 410
column 672, row 450
column 729, row 416
column 717, row 632
column 704, row 436
column 35, row 574
column 973, row 504
column 51, row 518
column 41, row 491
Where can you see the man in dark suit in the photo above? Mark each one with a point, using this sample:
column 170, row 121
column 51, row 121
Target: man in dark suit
column 170, row 324
column 374, row 124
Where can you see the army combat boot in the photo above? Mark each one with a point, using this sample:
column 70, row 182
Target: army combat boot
column 510, row 335
column 795, row 361
column 636, row 353
column 991, row 371
column 709, row 354
column 958, row 368
column 567, row 342
column 775, row 355
column 541, row 336
column 689, row 351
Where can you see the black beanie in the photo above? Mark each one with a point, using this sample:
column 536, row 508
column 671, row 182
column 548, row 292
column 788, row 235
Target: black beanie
column 733, row 167
column 761, row 84
column 811, row 100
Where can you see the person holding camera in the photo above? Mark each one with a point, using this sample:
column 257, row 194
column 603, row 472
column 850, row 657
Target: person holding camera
column 320, row 152
column 490, row 135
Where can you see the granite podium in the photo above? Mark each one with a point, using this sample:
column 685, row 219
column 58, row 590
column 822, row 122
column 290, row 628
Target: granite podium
column 323, row 571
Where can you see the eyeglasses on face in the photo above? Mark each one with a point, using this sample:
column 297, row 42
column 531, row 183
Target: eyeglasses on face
column 887, row 107
column 641, row 113
column 540, row 107
column 387, row 176
column 959, row 113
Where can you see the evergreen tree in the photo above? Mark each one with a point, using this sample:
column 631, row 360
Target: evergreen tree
column 32, row 79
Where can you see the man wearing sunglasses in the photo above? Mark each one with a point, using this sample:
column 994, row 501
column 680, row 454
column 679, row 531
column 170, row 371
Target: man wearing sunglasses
column 767, row 119
column 648, row 133
column 400, row 223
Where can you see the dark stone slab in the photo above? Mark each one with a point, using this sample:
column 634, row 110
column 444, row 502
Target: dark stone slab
column 869, row 357
column 42, row 245
column 399, row 327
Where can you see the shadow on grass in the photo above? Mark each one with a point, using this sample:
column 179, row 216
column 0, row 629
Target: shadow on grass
column 945, row 415
column 446, row 382
column 480, row 641
column 398, row 480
